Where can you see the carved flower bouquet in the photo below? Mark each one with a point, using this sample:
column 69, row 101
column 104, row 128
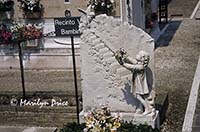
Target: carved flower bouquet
column 102, row 6
column 101, row 120
column 6, row 5
column 5, row 35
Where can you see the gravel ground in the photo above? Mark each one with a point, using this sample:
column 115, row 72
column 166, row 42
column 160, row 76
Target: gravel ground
column 175, row 65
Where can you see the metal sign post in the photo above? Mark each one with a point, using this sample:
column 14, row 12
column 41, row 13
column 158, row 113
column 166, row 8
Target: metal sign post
column 70, row 27
column 75, row 78
column 21, row 69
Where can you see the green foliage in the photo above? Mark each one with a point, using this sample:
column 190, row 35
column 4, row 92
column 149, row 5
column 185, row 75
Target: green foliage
column 73, row 127
column 125, row 127
column 129, row 127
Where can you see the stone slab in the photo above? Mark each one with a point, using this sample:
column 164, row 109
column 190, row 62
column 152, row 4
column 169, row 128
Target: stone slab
column 151, row 119
column 162, row 104
column 102, row 83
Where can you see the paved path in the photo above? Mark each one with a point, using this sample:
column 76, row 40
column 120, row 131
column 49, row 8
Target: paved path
column 182, row 8
column 192, row 101
column 175, row 63
column 193, row 124
column 26, row 129
column 196, row 121
column 197, row 14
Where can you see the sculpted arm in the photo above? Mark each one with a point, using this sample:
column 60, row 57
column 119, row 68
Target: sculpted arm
column 133, row 67
column 130, row 60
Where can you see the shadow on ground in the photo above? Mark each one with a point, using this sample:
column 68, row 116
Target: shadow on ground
column 167, row 36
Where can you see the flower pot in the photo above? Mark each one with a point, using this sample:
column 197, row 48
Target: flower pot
column 33, row 43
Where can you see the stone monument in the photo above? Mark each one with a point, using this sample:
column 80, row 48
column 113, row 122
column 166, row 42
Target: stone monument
column 113, row 55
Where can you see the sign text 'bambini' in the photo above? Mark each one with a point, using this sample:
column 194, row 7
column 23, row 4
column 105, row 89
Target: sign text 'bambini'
column 68, row 26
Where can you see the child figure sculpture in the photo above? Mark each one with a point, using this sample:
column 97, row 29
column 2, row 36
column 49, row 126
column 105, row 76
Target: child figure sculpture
column 138, row 67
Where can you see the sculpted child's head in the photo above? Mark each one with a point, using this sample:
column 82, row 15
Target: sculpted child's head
column 143, row 57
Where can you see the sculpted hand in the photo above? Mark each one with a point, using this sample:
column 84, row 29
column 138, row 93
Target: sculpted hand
column 120, row 61
column 118, row 57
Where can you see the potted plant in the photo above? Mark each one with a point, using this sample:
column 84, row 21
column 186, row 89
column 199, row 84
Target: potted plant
column 5, row 35
column 15, row 30
column 102, row 6
column 32, row 8
column 32, row 34
column 6, row 5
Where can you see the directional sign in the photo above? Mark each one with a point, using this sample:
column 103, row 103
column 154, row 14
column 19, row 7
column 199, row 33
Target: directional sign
column 68, row 26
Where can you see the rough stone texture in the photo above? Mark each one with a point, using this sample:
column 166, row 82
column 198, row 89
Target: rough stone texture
column 175, row 64
column 104, row 80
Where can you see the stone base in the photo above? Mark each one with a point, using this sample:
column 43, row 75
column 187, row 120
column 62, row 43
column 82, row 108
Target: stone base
column 150, row 119
column 161, row 104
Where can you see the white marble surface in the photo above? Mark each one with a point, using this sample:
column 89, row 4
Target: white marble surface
column 104, row 81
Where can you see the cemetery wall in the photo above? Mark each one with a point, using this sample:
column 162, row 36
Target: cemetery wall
column 58, row 7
